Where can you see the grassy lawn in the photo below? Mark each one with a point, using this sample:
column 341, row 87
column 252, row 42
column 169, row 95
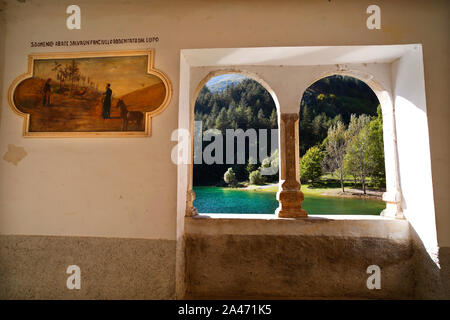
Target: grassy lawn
column 347, row 178
column 305, row 189
column 328, row 187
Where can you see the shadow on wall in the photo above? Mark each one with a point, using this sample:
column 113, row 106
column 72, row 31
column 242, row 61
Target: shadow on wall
column 296, row 267
column 432, row 273
column 230, row 266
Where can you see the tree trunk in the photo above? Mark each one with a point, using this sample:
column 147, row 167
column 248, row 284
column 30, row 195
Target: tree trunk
column 364, row 185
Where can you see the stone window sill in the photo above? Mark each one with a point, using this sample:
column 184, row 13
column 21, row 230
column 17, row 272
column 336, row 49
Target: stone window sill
column 317, row 225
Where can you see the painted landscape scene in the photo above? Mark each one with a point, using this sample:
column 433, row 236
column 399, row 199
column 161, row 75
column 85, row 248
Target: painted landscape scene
column 97, row 94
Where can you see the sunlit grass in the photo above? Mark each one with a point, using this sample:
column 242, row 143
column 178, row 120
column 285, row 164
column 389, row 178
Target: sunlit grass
column 305, row 189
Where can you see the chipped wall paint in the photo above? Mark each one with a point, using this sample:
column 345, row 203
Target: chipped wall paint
column 14, row 154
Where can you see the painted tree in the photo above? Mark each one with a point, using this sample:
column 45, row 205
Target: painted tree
column 61, row 76
column 73, row 73
column 57, row 67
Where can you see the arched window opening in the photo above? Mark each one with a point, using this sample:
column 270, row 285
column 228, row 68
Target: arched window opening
column 342, row 166
column 236, row 157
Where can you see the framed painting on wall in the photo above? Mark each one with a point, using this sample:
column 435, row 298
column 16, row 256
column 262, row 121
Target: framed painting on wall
column 90, row 94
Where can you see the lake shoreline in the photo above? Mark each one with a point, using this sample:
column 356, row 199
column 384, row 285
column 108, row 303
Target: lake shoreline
column 328, row 192
column 262, row 199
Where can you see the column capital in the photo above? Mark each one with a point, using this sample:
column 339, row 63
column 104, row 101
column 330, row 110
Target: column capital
column 289, row 117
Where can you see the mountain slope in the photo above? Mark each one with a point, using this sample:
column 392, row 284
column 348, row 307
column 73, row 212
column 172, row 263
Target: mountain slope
column 220, row 83
column 146, row 99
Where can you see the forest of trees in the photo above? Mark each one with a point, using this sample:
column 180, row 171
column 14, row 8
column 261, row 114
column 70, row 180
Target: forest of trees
column 328, row 101
column 243, row 105
column 356, row 150
column 341, row 132
column 336, row 107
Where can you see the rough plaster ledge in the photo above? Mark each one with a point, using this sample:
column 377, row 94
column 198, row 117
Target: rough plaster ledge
column 318, row 225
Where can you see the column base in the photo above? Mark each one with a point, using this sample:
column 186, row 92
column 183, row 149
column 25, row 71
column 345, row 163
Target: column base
column 190, row 212
column 291, row 204
column 299, row 213
column 392, row 210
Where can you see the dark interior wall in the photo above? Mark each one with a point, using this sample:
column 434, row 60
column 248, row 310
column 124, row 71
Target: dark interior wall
column 259, row 266
column 431, row 270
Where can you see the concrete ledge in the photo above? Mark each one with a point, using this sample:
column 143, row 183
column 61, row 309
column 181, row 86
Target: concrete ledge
column 323, row 225
column 240, row 266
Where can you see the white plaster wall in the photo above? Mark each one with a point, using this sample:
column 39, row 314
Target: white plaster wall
column 87, row 187
column 413, row 145
column 73, row 186
column 287, row 84
column 401, row 81
column 184, row 132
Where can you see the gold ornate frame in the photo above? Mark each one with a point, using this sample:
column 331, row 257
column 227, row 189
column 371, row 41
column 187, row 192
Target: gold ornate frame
column 148, row 115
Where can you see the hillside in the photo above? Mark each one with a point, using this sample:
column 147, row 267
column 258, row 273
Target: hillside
column 146, row 99
column 220, row 83
column 247, row 104
column 340, row 95
column 329, row 100
column 28, row 94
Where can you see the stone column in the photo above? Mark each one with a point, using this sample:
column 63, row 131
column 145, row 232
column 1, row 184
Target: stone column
column 290, row 197
column 393, row 194
column 190, row 209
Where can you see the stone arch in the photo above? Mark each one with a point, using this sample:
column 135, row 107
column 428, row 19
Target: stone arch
column 380, row 91
column 190, row 194
column 243, row 72
column 393, row 195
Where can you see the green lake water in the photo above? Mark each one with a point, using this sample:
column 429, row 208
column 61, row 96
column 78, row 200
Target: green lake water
column 226, row 200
